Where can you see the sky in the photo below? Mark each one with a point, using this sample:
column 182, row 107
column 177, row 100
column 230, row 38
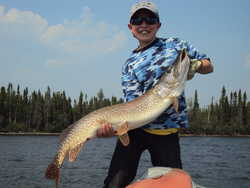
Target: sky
column 81, row 45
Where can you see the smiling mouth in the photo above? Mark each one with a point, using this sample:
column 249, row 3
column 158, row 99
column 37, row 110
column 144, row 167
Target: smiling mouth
column 144, row 32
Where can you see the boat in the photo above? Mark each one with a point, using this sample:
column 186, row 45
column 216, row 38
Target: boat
column 163, row 177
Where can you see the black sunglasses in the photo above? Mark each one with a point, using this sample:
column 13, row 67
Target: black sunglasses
column 148, row 20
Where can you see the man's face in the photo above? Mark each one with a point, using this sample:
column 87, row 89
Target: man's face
column 141, row 29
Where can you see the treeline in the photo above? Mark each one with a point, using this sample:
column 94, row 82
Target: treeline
column 230, row 115
column 35, row 111
column 45, row 112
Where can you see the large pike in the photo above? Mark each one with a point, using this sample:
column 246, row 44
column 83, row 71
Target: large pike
column 123, row 117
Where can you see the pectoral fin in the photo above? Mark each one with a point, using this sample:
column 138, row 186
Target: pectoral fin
column 121, row 132
column 73, row 153
column 124, row 139
column 122, row 129
column 175, row 104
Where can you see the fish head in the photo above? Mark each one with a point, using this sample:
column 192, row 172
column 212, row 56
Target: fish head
column 174, row 79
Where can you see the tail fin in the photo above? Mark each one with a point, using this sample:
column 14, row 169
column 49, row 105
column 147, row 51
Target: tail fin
column 53, row 172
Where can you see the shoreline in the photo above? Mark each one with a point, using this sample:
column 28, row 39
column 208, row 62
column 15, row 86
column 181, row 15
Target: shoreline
column 57, row 134
column 28, row 134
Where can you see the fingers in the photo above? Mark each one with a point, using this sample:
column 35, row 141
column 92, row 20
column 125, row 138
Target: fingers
column 207, row 67
column 106, row 130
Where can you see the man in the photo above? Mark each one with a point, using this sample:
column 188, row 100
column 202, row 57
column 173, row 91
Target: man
column 141, row 72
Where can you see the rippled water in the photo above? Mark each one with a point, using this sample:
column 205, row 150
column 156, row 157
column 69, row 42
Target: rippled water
column 214, row 162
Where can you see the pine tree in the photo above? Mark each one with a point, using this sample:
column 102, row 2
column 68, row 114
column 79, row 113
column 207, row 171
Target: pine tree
column 80, row 104
column 100, row 99
column 239, row 109
column 196, row 103
column 113, row 100
column 194, row 115
column 244, row 110
column 17, row 105
column 212, row 116
column 10, row 102
column 26, row 109
column 248, row 118
column 47, row 109
column 196, row 107
column 3, row 108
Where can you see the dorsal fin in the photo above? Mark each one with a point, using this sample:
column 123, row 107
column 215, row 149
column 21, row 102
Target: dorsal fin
column 175, row 104
column 73, row 153
column 122, row 133
column 124, row 139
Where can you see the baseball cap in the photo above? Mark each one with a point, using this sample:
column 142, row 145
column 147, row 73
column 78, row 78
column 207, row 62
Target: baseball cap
column 144, row 5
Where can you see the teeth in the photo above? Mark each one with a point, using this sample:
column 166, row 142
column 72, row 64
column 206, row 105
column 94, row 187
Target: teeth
column 144, row 32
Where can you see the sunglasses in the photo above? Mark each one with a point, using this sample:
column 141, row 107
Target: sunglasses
column 148, row 20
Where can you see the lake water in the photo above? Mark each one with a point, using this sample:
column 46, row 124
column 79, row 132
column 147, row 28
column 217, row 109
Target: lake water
column 214, row 162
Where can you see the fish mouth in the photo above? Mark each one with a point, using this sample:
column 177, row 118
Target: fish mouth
column 176, row 75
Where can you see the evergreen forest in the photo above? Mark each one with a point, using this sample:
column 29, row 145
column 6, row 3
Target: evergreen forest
column 51, row 112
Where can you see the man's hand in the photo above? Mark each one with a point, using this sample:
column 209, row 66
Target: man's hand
column 106, row 130
column 201, row 66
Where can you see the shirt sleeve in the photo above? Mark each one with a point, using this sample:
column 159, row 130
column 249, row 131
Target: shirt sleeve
column 193, row 53
column 130, row 84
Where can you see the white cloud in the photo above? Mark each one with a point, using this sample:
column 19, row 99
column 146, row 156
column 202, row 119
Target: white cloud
column 70, row 39
column 84, row 36
column 21, row 24
column 2, row 10
column 86, row 15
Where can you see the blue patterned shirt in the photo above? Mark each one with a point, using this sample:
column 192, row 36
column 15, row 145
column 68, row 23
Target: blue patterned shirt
column 143, row 69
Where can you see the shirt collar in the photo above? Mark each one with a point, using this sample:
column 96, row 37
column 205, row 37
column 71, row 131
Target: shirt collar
column 146, row 47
